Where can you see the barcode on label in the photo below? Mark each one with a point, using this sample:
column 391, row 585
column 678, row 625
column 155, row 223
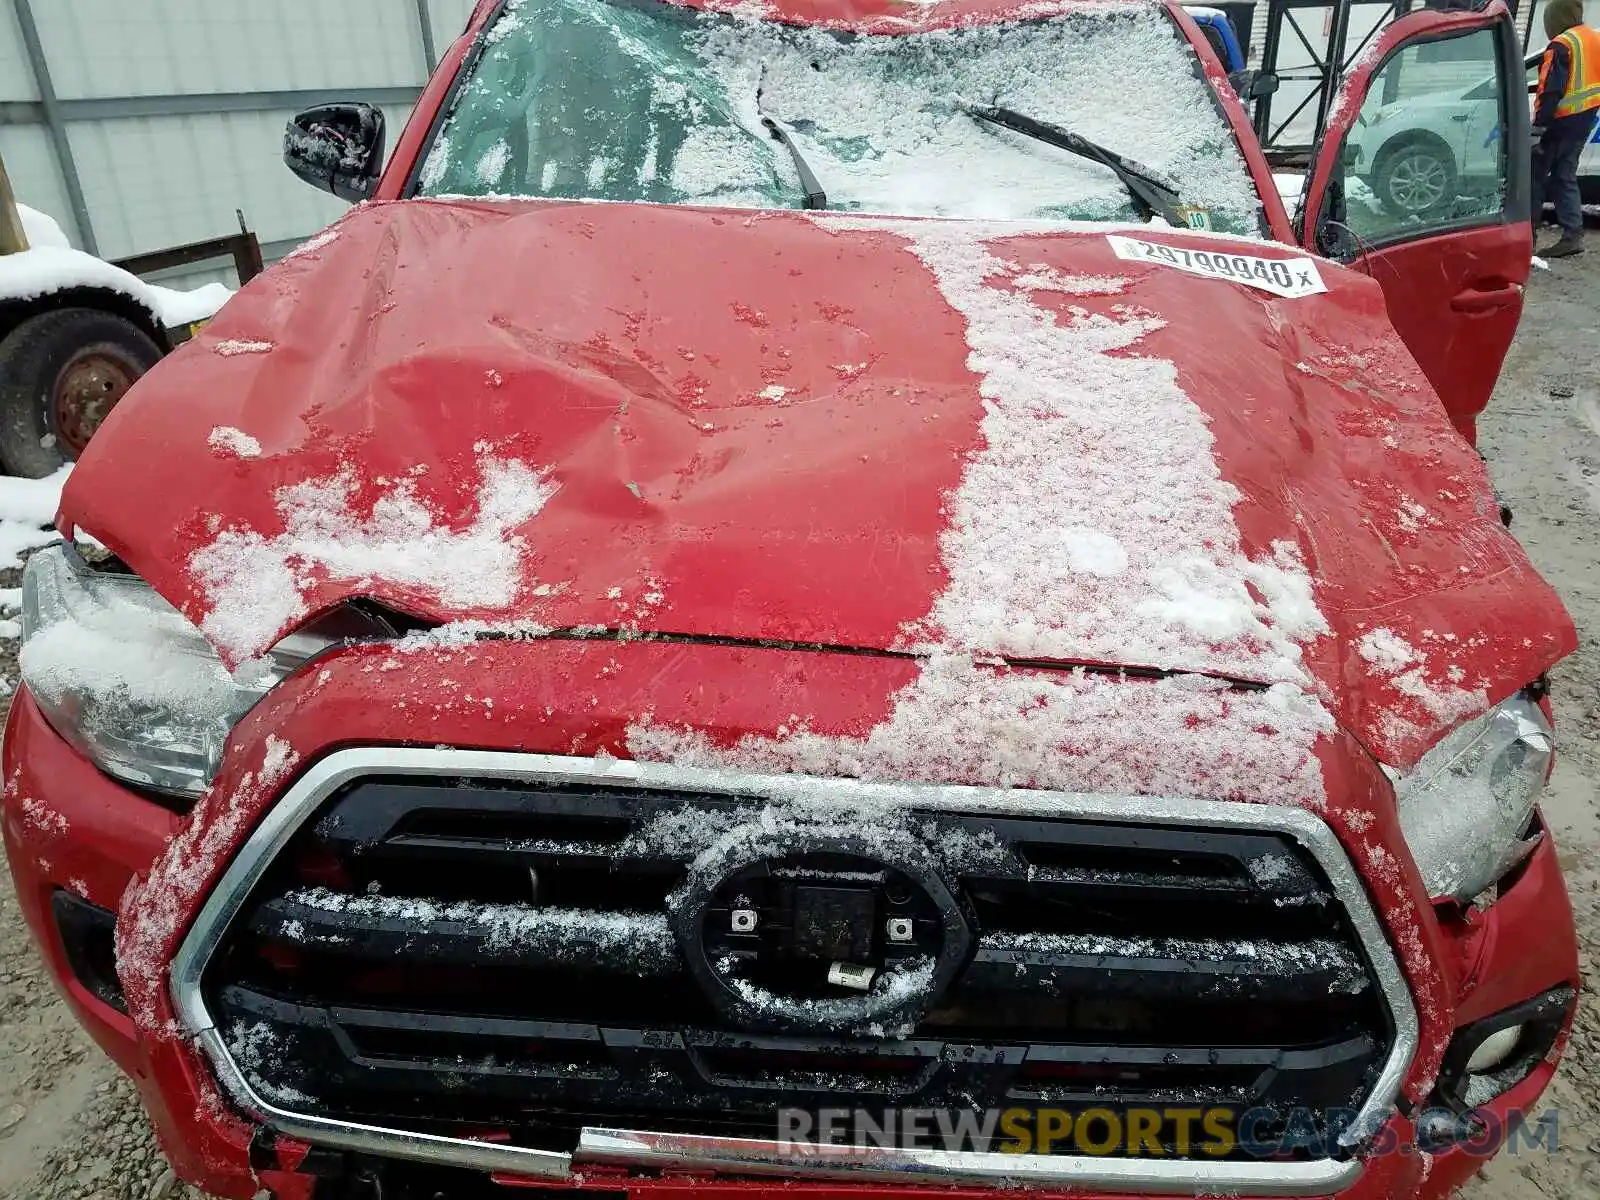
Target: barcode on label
column 1289, row 277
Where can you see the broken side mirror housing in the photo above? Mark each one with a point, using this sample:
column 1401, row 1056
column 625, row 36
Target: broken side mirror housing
column 337, row 148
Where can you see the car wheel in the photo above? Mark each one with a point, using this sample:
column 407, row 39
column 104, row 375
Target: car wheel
column 1415, row 179
column 61, row 373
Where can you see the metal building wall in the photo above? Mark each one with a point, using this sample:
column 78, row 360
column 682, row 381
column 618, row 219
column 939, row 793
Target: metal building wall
column 148, row 124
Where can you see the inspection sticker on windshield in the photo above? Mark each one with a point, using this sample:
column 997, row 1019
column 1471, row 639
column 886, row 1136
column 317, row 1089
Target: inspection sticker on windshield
column 1291, row 277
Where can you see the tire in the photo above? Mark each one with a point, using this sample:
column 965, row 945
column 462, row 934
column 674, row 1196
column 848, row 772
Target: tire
column 1416, row 178
column 60, row 374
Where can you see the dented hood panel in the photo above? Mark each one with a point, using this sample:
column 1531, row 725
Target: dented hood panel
column 756, row 427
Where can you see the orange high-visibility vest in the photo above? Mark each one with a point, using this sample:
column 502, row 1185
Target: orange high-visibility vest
column 1583, row 83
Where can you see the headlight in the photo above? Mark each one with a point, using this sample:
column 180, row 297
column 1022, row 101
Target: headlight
column 1467, row 806
column 125, row 678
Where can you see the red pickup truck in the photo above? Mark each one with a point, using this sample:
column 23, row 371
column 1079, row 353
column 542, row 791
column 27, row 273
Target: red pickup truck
column 823, row 598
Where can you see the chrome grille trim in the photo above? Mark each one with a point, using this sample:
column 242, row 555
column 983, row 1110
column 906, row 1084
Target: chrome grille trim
column 646, row 1149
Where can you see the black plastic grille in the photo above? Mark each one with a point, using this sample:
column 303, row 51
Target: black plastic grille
column 481, row 959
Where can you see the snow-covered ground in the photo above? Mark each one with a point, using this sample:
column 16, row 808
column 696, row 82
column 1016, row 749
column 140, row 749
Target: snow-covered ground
column 27, row 512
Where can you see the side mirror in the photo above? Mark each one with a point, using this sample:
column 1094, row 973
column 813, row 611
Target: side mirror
column 1253, row 85
column 337, row 148
column 1264, row 84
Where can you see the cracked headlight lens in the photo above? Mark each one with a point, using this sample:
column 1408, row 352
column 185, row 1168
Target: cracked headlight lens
column 1468, row 806
column 128, row 680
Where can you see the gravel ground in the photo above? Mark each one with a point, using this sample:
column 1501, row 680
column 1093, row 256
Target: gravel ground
column 72, row 1129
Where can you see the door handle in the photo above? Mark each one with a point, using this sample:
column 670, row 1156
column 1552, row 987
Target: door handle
column 1461, row 116
column 1486, row 299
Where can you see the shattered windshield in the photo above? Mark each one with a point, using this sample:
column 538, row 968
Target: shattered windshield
column 643, row 100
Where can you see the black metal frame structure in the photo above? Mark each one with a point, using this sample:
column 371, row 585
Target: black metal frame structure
column 1331, row 56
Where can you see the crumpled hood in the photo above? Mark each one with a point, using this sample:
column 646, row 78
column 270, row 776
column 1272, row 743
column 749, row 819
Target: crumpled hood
column 835, row 431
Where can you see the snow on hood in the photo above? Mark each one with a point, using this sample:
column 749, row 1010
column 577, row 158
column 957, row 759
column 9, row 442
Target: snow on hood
column 967, row 440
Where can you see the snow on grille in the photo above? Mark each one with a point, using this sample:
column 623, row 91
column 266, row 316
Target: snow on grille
column 639, row 938
column 1092, row 526
column 1265, row 958
column 257, row 1052
column 894, row 986
column 254, row 585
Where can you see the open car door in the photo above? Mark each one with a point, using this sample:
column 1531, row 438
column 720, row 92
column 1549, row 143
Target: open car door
column 1422, row 181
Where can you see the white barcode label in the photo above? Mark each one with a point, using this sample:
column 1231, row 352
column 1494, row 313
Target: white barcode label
column 851, row 976
column 1290, row 277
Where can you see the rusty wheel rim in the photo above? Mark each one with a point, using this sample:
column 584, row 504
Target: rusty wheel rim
column 85, row 393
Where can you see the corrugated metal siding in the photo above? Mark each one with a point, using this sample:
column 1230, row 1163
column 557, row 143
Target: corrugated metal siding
column 152, row 179
column 157, row 181
column 155, row 47
column 31, row 164
column 450, row 19
column 16, row 81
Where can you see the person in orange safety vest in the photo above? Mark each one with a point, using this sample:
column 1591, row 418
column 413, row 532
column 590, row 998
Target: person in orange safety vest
column 1564, row 114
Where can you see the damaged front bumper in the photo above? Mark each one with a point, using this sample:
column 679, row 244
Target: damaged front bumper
column 69, row 827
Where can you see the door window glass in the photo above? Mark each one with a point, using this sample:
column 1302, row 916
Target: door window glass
column 1427, row 151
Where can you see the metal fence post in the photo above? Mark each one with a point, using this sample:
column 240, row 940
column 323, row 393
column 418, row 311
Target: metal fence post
column 57, row 127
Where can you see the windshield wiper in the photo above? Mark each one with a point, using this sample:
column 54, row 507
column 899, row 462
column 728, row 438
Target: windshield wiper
column 815, row 196
column 1151, row 196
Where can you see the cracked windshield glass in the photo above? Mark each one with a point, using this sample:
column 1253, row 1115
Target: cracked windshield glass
column 640, row 100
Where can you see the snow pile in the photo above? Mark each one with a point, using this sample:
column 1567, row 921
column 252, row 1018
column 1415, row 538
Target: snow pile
column 1095, row 524
column 314, row 243
column 27, row 510
column 232, row 348
column 175, row 309
column 1402, row 666
column 1290, row 187
column 1074, row 731
column 227, row 440
column 255, row 585
column 1092, row 526
column 43, row 818
column 675, row 114
column 41, row 229
column 463, row 633
column 53, row 268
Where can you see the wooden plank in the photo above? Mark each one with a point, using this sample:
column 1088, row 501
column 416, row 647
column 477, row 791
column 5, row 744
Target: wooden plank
column 12, row 238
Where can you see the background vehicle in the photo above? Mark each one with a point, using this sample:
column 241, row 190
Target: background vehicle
column 76, row 331
column 1422, row 154
column 1419, row 154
